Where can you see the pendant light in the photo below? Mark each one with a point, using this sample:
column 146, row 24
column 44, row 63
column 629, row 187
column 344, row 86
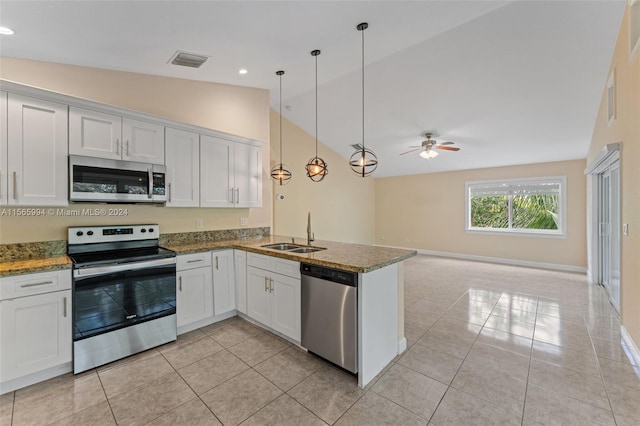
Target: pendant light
column 280, row 173
column 316, row 167
column 363, row 162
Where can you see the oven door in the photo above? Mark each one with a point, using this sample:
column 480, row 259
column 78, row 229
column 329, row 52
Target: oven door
column 111, row 297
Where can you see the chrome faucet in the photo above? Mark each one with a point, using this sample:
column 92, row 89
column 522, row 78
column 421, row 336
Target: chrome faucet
column 310, row 236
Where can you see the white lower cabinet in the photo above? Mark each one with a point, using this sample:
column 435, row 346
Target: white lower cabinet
column 224, row 289
column 240, row 263
column 194, row 293
column 35, row 325
column 273, row 299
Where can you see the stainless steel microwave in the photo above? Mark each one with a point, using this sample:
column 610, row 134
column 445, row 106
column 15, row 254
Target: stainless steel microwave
column 115, row 181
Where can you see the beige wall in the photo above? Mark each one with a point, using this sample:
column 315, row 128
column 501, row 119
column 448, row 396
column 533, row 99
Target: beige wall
column 625, row 129
column 427, row 212
column 341, row 205
column 233, row 109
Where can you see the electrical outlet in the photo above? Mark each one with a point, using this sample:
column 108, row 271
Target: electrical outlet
column 625, row 229
column 198, row 223
column 244, row 221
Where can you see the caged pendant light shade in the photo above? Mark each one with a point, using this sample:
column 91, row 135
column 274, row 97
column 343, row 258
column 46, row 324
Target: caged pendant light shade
column 280, row 172
column 363, row 161
column 316, row 167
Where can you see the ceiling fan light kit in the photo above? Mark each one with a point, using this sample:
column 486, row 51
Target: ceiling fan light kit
column 316, row 167
column 428, row 148
column 364, row 161
column 279, row 172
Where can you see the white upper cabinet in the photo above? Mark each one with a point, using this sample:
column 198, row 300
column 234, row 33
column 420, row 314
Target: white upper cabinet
column 3, row 149
column 183, row 168
column 143, row 142
column 98, row 134
column 230, row 173
column 248, row 175
column 216, row 172
column 37, row 132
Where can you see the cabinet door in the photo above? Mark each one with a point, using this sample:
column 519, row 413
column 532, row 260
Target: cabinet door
column 94, row 134
column 3, row 149
column 216, row 172
column 248, row 175
column 240, row 264
column 183, row 168
column 142, row 141
column 37, row 152
column 285, row 317
column 194, row 295
column 224, row 289
column 35, row 333
column 258, row 296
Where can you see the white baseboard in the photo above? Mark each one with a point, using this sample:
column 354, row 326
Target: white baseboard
column 402, row 345
column 207, row 321
column 633, row 351
column 501, row 260
column 34, row 378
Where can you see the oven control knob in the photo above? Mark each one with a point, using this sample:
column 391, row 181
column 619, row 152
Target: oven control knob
column 89, row 233
column 79, row 233
column 143, row 230
column 150, row 229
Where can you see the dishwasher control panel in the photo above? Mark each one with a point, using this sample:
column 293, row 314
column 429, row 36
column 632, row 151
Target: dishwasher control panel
column 330, row 274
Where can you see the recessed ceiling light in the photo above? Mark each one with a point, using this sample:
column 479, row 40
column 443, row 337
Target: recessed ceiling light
column 6, row 31
column 242, row 71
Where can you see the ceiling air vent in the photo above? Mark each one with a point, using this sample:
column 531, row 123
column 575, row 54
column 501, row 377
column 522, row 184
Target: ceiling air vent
column 186, row 59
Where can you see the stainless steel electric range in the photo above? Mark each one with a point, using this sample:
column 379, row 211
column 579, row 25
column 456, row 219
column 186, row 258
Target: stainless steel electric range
column 124, row 292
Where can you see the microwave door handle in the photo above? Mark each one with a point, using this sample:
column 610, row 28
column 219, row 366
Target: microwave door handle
column 150, row 171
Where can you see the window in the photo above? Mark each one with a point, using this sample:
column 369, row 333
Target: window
column 634, row 29
column 611, row 98
column 518, row 206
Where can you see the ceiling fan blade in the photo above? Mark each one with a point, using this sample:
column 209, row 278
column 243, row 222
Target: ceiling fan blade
column 413, row 150
column 447, row 148
column 446, row 143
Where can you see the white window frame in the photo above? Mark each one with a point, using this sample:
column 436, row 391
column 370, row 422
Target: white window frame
column 611, row 98
column 634, row 29
column 545, row 233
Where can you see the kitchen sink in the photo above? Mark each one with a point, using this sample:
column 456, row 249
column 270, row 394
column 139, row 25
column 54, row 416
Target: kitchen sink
column 307, row 249
column 282, row 246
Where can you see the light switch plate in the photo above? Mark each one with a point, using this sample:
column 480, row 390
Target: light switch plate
column 199, row 224
column 244, row 221
column 625, row 229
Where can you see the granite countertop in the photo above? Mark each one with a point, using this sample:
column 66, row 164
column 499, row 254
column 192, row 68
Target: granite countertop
column 350, row 257
column 346, row 256
column 28, row 266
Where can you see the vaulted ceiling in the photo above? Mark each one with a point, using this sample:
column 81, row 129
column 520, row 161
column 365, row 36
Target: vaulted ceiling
column 511, row 82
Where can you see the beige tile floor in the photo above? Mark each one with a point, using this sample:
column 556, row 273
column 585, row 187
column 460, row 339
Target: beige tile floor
column 488, row 344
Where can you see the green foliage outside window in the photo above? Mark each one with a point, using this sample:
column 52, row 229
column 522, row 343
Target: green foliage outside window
column 527, row 211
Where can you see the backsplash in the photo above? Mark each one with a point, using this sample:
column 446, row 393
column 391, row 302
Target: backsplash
column 40, row 249
column 179, row 238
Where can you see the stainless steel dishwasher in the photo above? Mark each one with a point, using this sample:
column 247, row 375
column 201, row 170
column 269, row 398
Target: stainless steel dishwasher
column 330, row 314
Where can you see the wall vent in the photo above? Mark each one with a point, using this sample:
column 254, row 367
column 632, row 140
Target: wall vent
column 187, row 59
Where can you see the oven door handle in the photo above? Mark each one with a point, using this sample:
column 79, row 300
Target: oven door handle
column 118, row 267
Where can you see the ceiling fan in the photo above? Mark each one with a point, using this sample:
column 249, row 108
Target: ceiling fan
column 428, row 147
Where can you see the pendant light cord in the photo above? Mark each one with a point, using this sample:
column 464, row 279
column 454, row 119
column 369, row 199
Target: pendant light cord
column 281, row 121
column 363, row 153
column 317, row 104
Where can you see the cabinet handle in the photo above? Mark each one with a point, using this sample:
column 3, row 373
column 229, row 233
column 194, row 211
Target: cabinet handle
column 117, row 146
column 36, row 284
column 265, row 284
column 15, row 185
column 64, row 307
column 180, row 283
column 169, row 192
column 150, row 172
column 194, row 260
column 217, row 262
column 238, row 196
column 270, row 285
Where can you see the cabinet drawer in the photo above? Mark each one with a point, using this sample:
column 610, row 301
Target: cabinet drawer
column 195, row 260
column 286, row 267
column 31, row 284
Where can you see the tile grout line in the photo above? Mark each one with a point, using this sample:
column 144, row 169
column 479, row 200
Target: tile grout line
column 113, row 416
column 526, row 387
